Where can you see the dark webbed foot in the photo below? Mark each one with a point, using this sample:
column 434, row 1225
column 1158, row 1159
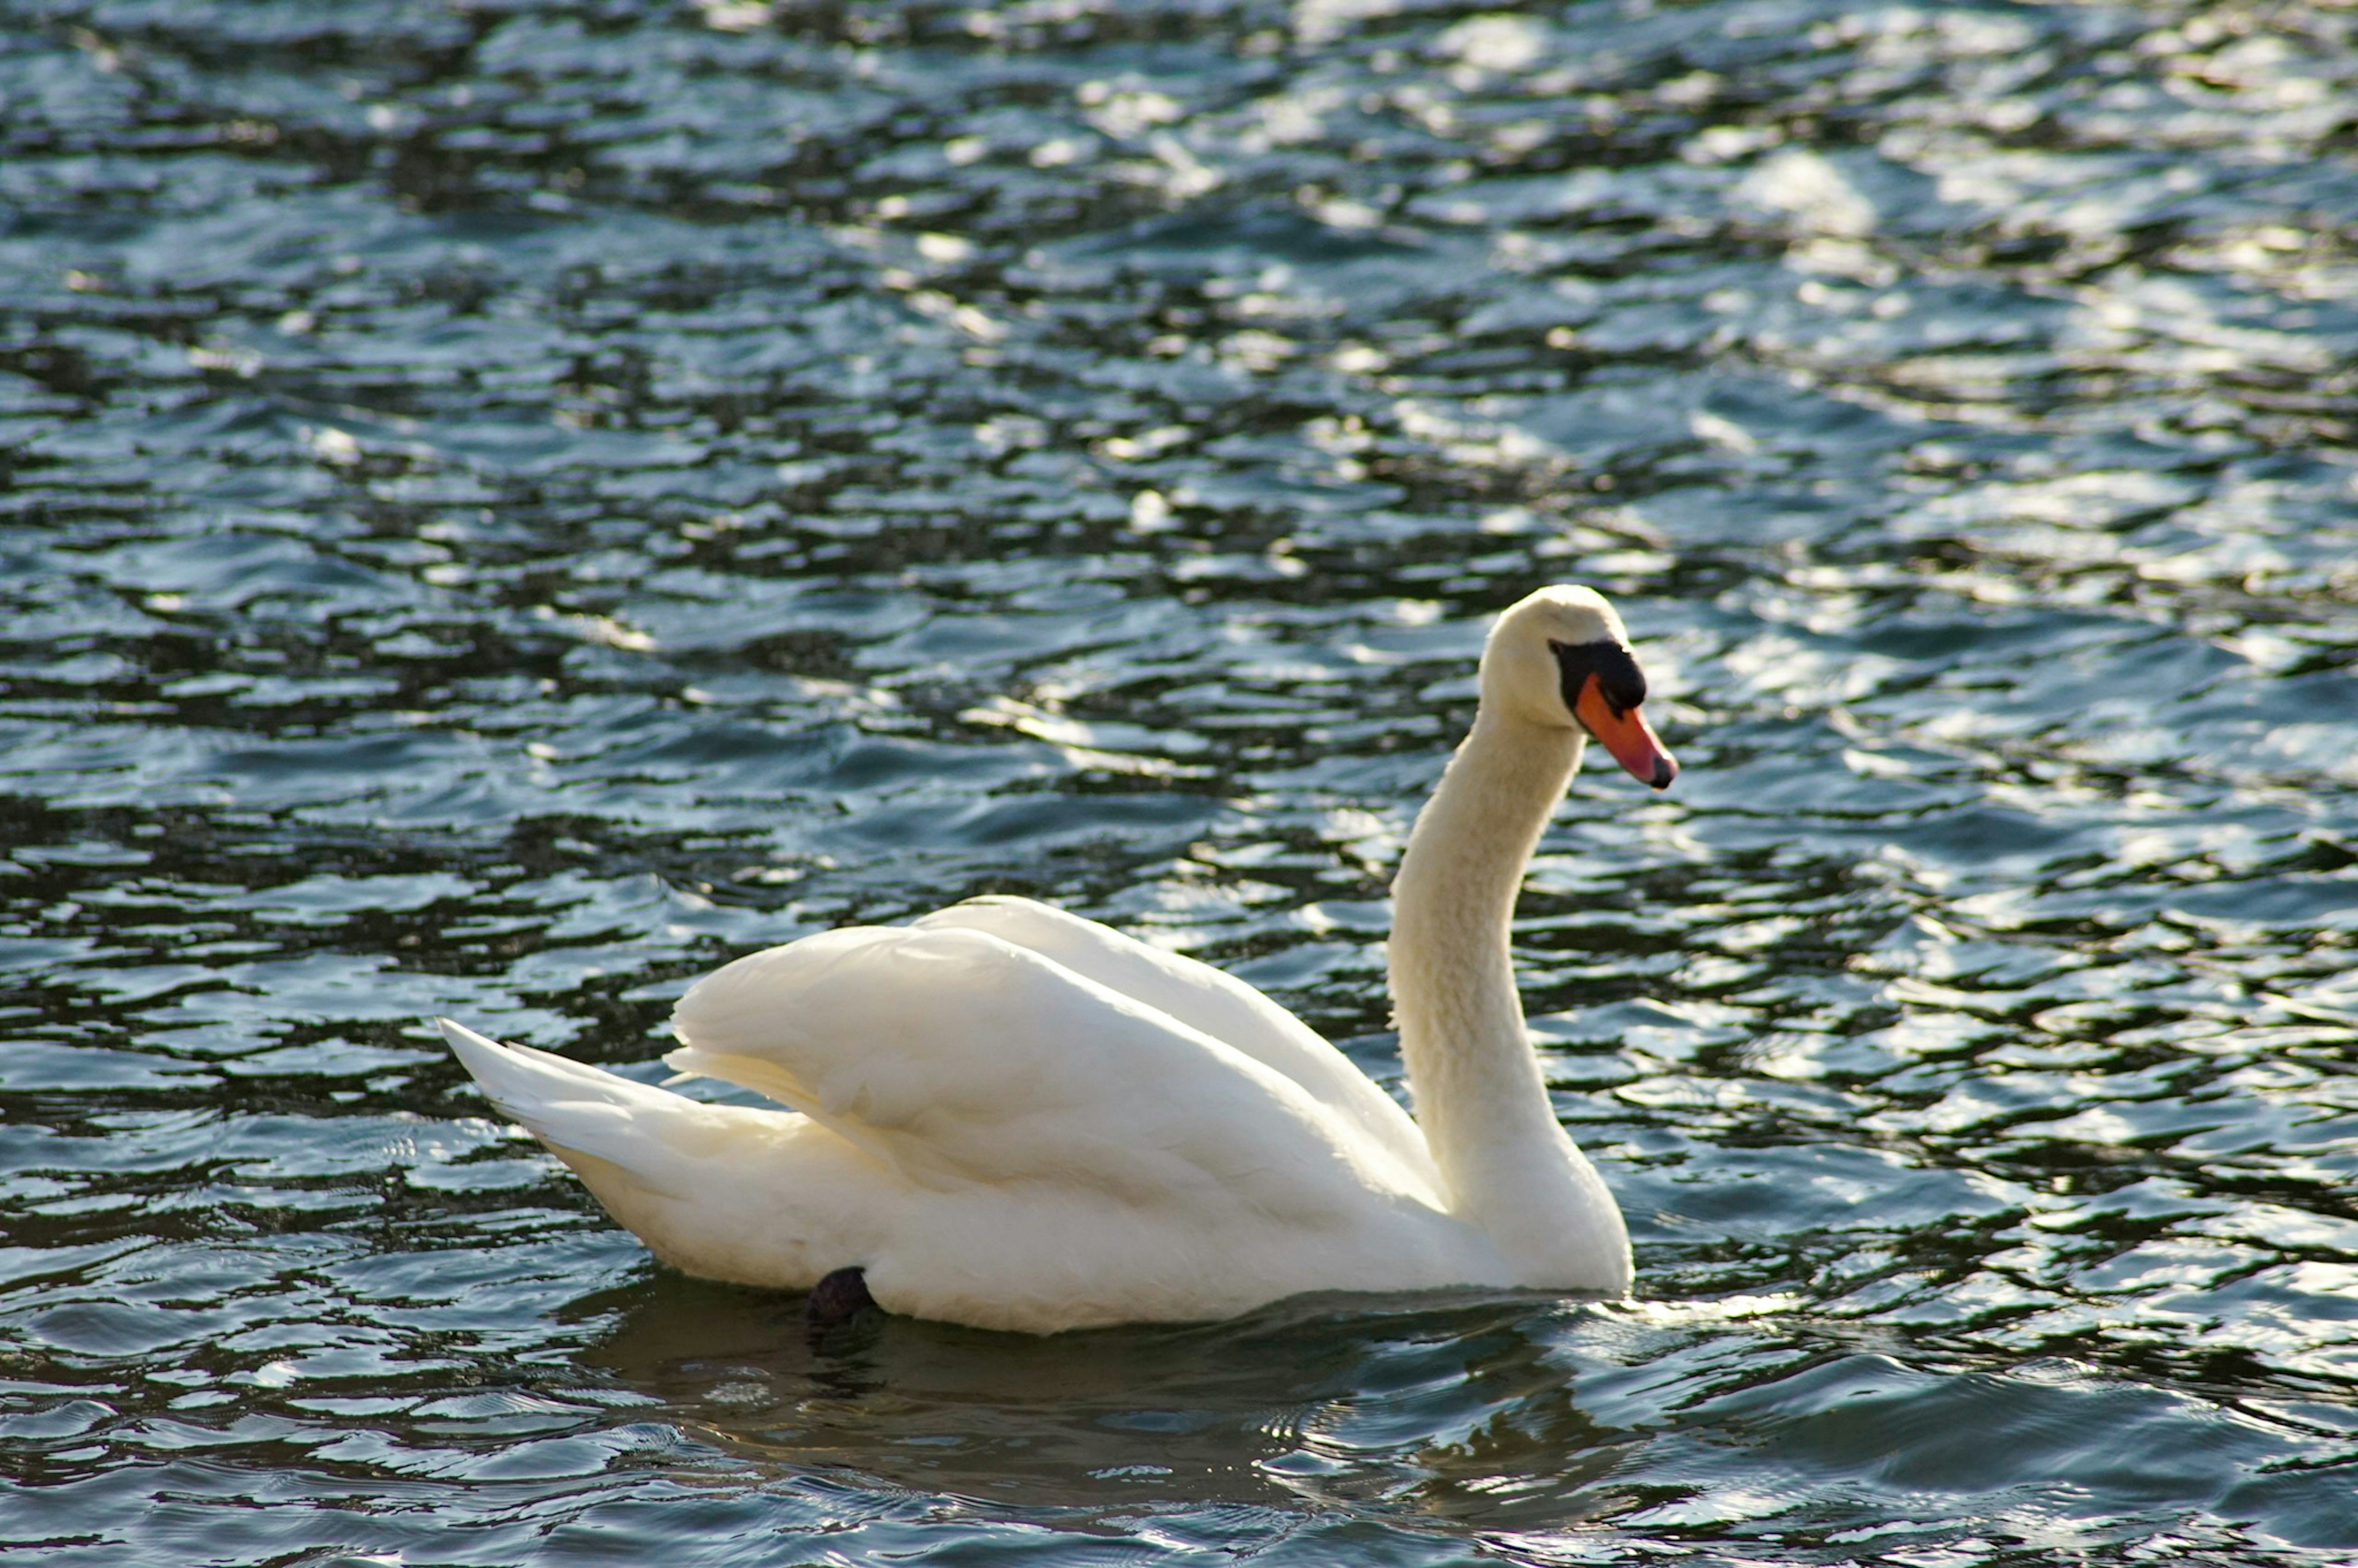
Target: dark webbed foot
column 838, row 1299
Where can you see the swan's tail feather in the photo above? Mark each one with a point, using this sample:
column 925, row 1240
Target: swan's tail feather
column 650, row 1136
column 728, row 1192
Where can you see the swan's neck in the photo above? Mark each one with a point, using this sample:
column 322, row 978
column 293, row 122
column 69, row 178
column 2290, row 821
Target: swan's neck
column 1479, row 1095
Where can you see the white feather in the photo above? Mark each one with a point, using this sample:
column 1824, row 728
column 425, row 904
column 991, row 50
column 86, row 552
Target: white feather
column 1011, row 1116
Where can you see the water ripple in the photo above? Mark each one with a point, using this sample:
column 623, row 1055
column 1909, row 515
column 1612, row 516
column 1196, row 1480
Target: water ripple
column 502, row 507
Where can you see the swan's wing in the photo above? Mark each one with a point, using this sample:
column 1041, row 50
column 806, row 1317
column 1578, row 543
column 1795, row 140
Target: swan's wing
column 961, row 1059
column 1198, row 995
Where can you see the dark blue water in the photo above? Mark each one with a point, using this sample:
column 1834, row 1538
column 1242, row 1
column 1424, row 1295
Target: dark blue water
column 504, row 507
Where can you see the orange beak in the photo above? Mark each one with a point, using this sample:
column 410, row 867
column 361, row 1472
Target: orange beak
column 1626, row 735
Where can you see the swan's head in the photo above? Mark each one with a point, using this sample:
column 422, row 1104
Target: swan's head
column 1561, row 658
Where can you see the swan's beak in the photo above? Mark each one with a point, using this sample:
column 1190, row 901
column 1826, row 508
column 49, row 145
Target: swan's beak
column 1627, row 736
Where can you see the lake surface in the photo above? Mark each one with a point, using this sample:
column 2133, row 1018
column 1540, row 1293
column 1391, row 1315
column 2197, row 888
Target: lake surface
column 505, row 506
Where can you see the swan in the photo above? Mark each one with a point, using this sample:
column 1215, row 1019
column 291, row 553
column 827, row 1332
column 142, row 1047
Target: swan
column 1007, row 1116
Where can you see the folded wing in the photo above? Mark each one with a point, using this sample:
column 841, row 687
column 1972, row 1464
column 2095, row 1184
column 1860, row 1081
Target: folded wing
column 957, row 1057
column 1209, row 1000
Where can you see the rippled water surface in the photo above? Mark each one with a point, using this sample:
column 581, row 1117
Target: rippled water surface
column 503, row 506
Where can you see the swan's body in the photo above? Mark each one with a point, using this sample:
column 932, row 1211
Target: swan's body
column 1011, row 1116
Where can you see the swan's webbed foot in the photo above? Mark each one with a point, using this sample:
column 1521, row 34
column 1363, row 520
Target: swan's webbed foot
column 836, row 1300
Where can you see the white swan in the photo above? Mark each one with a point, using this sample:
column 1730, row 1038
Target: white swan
column 1011, row 1116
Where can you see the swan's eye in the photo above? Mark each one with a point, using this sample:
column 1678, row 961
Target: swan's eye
column 1619, row 679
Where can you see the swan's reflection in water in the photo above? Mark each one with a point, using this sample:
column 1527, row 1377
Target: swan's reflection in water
column 1458, row 1405
column 1533, row 1425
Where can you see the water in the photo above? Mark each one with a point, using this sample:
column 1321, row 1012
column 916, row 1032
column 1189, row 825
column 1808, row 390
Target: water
column 509, row 505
